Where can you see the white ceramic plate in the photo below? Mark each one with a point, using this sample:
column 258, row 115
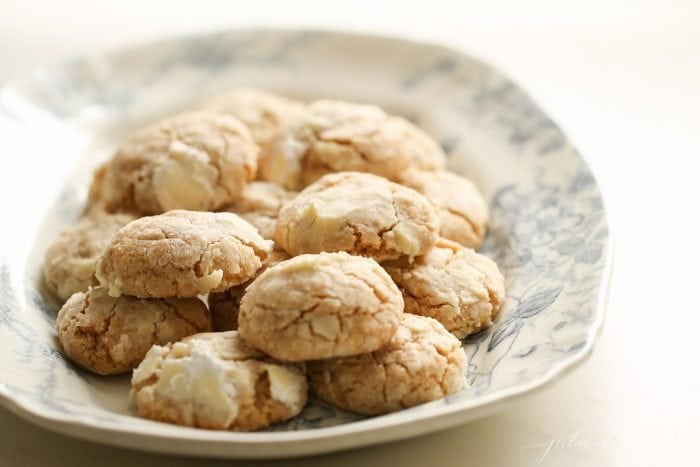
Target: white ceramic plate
column 549, row 231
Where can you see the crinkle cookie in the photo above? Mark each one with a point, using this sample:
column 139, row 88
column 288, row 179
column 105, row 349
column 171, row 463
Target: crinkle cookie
column 337, row 136
column 360, row 213
column 463, row 213
column 260, row 204
column 108, row 335
column 69, row 263
column 320, row 306
column 224, row 305
column 264, row 113
column 216, row 381
column 199, row 161
column 453, row 284
column 181, row 253
column 421, row 363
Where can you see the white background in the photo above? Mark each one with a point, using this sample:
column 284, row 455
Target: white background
column 622, row 79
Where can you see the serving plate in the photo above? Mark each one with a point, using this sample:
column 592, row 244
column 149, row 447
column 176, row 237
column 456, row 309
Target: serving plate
column 549, row 231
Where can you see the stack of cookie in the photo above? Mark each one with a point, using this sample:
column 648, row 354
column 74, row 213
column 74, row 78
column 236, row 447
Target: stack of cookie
column 358, row 286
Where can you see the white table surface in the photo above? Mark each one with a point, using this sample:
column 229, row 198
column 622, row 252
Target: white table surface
column 623, row 80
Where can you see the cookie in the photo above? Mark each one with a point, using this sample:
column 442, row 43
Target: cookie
column 198, row 161
column 264, row 113
column 453, row 284
column 108, row 335
column 260, row 204
column 181, row 253
column 462, row 209
column 421, row 363
column 69, row 263
column 359, row 213
column 224, row 305
column 320, row 306
column 216, row 381
column 337, row 136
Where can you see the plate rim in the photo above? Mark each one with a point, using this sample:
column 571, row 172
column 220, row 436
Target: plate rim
column 219, row 444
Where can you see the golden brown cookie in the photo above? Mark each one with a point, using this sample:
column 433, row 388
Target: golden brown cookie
column 199, row 161
column 260, row 204
column 181, row 253
column 453, row 284
column 463, row 213
column 263, row 112
column 108, row 335
column 421, row 363
column 69, row 263
column 216, row 381
column 360, row 213
column 320, row 306
column 337, row 136
column 224, row 305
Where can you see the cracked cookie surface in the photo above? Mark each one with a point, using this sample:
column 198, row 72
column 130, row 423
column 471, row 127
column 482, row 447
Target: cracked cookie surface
column 224, row 305
column 462, row 289
column 70, row 261
column 108, row 335
column 181, row 253
column 320, row 306
column 193, row 160
column 338, row 136
column 421, row 363
column 216, row 381
column 260, row 205
column 462, row 209
column 263, row 112
column 359, row 213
